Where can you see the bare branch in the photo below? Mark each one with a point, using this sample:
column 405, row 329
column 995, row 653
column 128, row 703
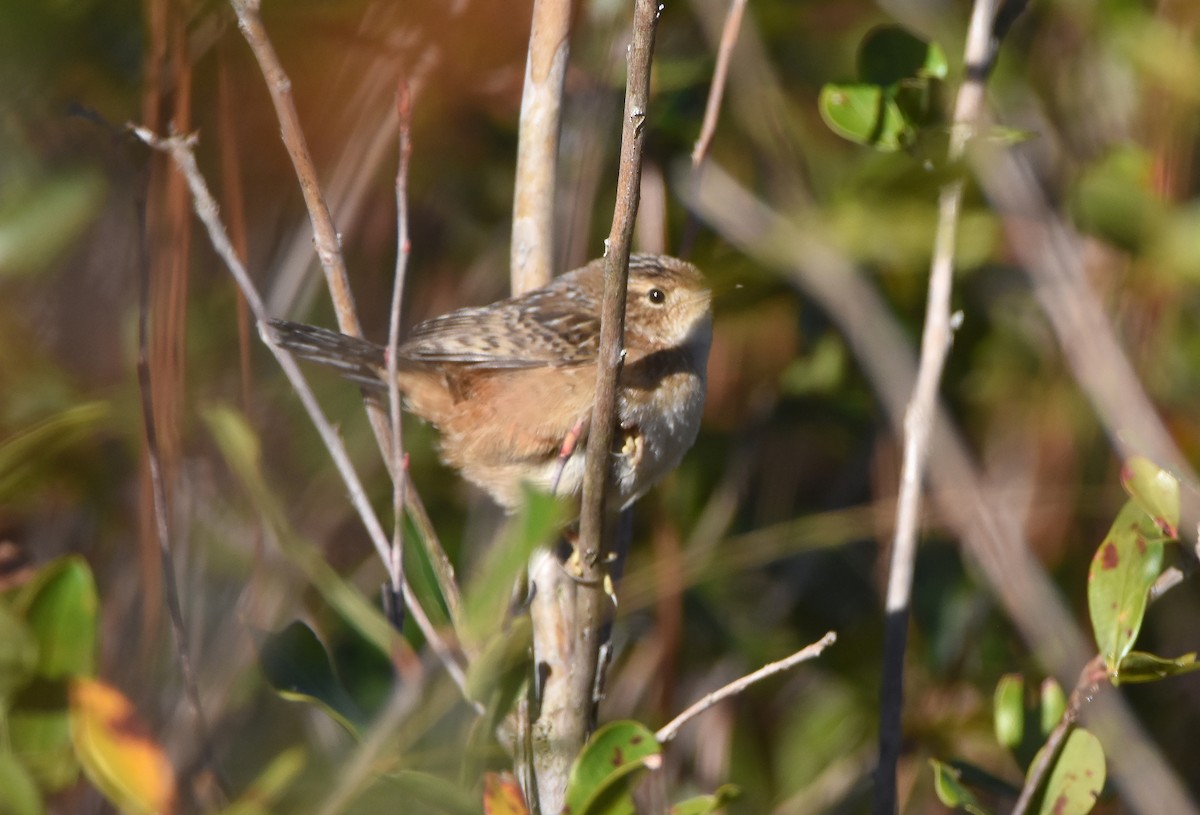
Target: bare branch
column 716, row 91
column 668, row 731
column 328, row 245
column 532, row 252
column 597, row 521
column 919, row 418
column 395, row 562
column 180, row 150
column 325, row 235
column 163, row 534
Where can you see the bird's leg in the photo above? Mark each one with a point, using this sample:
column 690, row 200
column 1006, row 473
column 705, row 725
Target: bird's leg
column 569, row 445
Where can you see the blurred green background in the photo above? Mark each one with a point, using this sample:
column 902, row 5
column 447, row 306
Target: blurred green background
column 776, row 527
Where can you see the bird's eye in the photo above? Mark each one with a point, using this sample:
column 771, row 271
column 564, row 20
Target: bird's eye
column 656, row 296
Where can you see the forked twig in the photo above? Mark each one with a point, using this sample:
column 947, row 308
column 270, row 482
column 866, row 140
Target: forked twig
column 328, row 246
column 179, row 148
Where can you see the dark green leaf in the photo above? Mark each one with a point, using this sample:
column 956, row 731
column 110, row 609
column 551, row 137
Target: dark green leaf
column 889, row 54
column 296, row 665
column 1122, row 571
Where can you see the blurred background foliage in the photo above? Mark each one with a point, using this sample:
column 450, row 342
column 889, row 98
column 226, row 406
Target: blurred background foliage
column 774, row 530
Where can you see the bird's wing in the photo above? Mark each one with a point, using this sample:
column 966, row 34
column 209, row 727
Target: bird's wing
column 505, row 336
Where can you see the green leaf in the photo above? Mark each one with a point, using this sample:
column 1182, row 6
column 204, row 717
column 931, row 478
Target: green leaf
column 437, row 792
column 1077, row 777
column 24, row 455
column 1138, row 666
column 1054, row 703
column 39, row 729
column 704, row 804
column 45, row 218
column 489, row 593
column 60, row 606
column 18, row 654
column 1122, row 571
column 599, row 779
column 239, row 445
column 1154, row 490
column 1008, row 710
column 889, row 54
column 270, row 784
column 18, row 792
column 297, row 666
column 501, row 668
column 865, row 114
column 951, row 792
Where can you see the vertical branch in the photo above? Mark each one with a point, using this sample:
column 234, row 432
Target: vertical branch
column 162, row 527
column 325, row 236
column 395, row 564
column 569, row 613
column 716, row 91
column 532, row 252
column 328, row 245
column 919, row 418
column 597, row 518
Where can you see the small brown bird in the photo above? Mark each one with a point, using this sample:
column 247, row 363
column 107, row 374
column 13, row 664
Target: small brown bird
column 510, row 385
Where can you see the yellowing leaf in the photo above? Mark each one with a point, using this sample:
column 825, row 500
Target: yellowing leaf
column 1077, row 778
column 117, row 754
column 502, row 795
column 1155, row 490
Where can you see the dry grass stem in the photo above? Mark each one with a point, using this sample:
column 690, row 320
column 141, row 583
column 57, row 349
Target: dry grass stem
column 811, row 651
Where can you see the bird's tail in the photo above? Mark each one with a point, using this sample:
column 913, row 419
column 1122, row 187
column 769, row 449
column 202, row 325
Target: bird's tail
column 356, row 359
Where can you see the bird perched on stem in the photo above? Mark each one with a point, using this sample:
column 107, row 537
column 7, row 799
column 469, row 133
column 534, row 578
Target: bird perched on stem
column 510, row 385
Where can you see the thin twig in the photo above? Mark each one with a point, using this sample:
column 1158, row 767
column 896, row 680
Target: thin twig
column 716, row 91
column 597, row 521
column 325, row 236
column 919, row 418
column 532, row 251
column 812, row 651
column 1084, row 691
column 163, row 534
column 328, row 245
column 180, row 150
column 399, row 471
